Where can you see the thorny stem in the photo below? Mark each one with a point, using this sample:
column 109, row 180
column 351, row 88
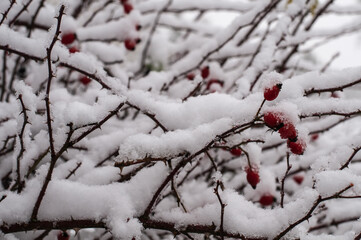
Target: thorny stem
column 49, row 120
column 223, row 205
column 309, row 213
column 22, row 145
column 284, row 178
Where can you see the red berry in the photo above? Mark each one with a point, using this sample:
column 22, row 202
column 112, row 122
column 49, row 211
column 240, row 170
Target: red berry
column 272, row 119
column 205, row 72
column 297, row 147
column 214, row 81
column 130, row 44
column 190, row 76
column 298, row 179
column 272, row 93
column 236, row 152
column 314, row 137
column 73, row 50
column 63, row 235
column 266, row 200
column 85, row 80
column 288, row 131
column 252, row 177
column 127, row 7
column 68, row 38
column 334, row 95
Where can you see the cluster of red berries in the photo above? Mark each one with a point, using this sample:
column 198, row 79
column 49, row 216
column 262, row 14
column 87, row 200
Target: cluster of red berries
column 130, row 43
column 127, row 7
column 68, row 39
column 253, row 179
column 205, row 73
column 277, row 122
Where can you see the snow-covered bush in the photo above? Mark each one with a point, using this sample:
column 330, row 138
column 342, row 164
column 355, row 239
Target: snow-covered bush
column 145, row 119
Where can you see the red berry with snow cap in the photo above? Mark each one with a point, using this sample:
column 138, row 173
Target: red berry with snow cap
column 130, row 44
column 297, row 147
column 127, row 7
column 63, row 235
column 68, row 38
column 288, row 131
column 236, row 152
column 271, row 94
column 266, row 200
column 214, row 81
column 252, row 177
column 205, row 72
column 272, row 119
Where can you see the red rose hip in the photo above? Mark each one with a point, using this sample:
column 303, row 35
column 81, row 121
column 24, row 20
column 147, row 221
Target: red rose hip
column 73, row 50
column 297, row 147
column 85, row 80
column 236, row 152
column 271, row 94
column 205, row 72
column 252, row 177
column 68, row 38
column 130, row 44
column 63, row 235
column 288, row 131
column 272, row 119
column 190, row 76
column 266, row 200
column 298, row 179
column 127, row 7
column 214, row 81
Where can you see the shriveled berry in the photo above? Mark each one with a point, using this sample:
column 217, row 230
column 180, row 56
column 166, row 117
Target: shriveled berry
column 298, row 179
column 288, row 131
column 272, row 119
column 130, row 44
column 236, row 151
column 252, row 177
column 85, row 80
column 271, row 94
column 205, row 72
column 63, row 235
column 127, row 7
column 266, row 200
column 68, row 38
column 123, row 1
column 297, row 147
column 138, row 27
column 190, row 76
column 73, row 50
